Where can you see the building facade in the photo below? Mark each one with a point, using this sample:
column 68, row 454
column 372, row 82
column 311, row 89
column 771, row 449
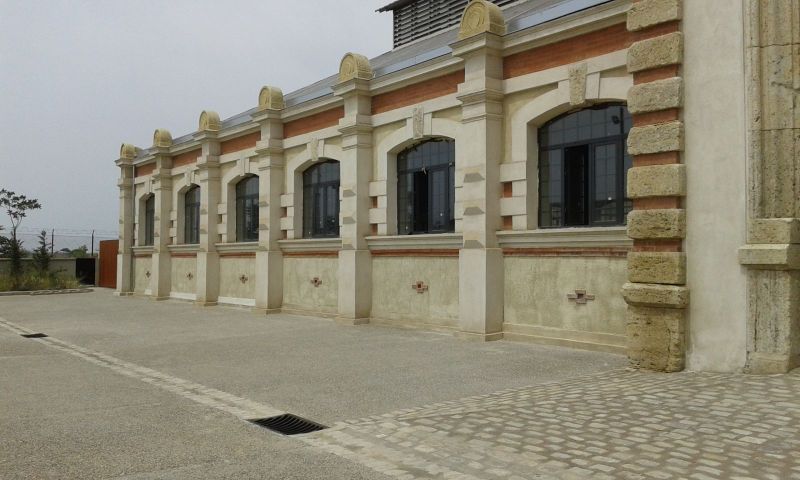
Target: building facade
column 614, row 175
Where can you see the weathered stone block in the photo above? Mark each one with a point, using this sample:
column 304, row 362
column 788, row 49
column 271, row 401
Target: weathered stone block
column 658, row 138
column 657, row 267
column 657, row 181
column 655, row 295
column 773, row 230
column 656, row 338
column 773, row 322
column 771, row 256
column 656, row 52
column 655, row 96
column 646, row 13
column 777, row 174
column 660, row 224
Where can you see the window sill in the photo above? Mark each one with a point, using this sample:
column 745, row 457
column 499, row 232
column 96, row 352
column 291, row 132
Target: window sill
column 311, row 244
column 184, row 248
column 445, row 241
column 143, row 249
column 240, row 247
column 566, row 237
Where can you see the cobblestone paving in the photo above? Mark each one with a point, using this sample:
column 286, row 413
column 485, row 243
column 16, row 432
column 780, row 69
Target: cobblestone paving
column 614, row 425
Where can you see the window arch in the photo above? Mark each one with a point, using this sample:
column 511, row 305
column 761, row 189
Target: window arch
column 149, row 220
column 583, row 162
column 321, row 200
column 426, row 187
column 247, row 209
column 191, row 215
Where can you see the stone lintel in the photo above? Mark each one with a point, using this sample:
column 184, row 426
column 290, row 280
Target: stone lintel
column 655, row 295
column 656, row 52
column 657, row 267
column 662, row 224
column 657, row 181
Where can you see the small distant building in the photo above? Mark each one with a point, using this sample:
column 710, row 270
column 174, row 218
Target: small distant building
column 614, row 175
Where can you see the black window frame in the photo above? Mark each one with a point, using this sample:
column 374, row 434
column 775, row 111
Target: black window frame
column 247, row 210
column 591, row 144
column 191, row 216
column 417, row 189
column 149, row 220
column 321, row 189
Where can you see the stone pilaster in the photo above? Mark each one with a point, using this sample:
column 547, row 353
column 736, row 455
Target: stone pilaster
column 355, row 261
column 162, row 188
column 127, row 155
column 656, row 294
column 269, row 259
column 208, row 178
column 478, row 159
column 772, row 253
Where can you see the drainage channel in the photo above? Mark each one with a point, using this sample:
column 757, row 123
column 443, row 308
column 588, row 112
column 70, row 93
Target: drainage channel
column 288, row 424
column 34, row 335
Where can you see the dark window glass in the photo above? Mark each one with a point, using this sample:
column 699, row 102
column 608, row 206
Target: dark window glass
column 321, row 200
column 583, row 162
column 191, row 215
column 426, row 188
column 247, row 210
column 149, row 220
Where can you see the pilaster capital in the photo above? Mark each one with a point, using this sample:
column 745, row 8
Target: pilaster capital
column 269, row 147
column 487, row 44
column 352, row 87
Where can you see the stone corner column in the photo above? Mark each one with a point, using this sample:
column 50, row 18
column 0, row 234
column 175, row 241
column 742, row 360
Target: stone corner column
column 208, row 177
column 478, row 157
column 162, row 187
column 271, row 167
column 656, row 294
column 355, row 260
column 126, row 220
column 772, row 252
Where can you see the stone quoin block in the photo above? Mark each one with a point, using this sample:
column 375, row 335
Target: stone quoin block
column 655, row 96
column 662, row 224
column 657, row 267
column 646, row 13
column 656, row 52
column 771, row 256
column 657, row 181
column 656, row 338
column 773, row 230
column 655, row 295
column 658, row 138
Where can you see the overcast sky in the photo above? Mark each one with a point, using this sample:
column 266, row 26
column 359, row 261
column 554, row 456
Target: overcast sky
column 79, row 77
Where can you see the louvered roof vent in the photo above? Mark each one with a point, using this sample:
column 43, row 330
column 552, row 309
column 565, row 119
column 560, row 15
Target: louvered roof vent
column 415, row 19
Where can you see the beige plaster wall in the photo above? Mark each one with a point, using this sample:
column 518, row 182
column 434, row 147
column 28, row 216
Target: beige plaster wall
column 395, row 301
column 298, row 291
column 536, row 291
column 179, row 270
column 141, row 283
column 715, row 154
column 230, row 281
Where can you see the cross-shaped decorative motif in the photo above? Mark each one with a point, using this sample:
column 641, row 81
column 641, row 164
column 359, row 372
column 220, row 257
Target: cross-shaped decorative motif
column 147, row 274
column 419, row 286
column 243, row 278
column 189, row 275
column 316, row 281
column 580, row 297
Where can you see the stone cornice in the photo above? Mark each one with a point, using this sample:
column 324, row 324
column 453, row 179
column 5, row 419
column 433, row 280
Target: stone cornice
column 445, row 241
column 565, row 237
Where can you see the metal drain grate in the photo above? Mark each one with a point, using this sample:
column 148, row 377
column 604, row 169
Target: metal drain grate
column 33, row 335
column 288, row 424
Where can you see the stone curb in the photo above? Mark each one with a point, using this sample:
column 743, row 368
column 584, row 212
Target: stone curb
column 46, row 292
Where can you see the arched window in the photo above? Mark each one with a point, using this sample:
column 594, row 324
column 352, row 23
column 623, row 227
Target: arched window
column 247, row 210
column 426, row 188
column 191, row 215
column 583, row 163
column 149, row 220
column 321, row 200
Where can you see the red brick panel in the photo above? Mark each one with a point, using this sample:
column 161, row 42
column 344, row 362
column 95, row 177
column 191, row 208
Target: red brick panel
column 312, row 123
column 187, row 158
column 142, row 170
column 654, row 74
column 240, row 143
column 419, row 92
column 650, row 118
